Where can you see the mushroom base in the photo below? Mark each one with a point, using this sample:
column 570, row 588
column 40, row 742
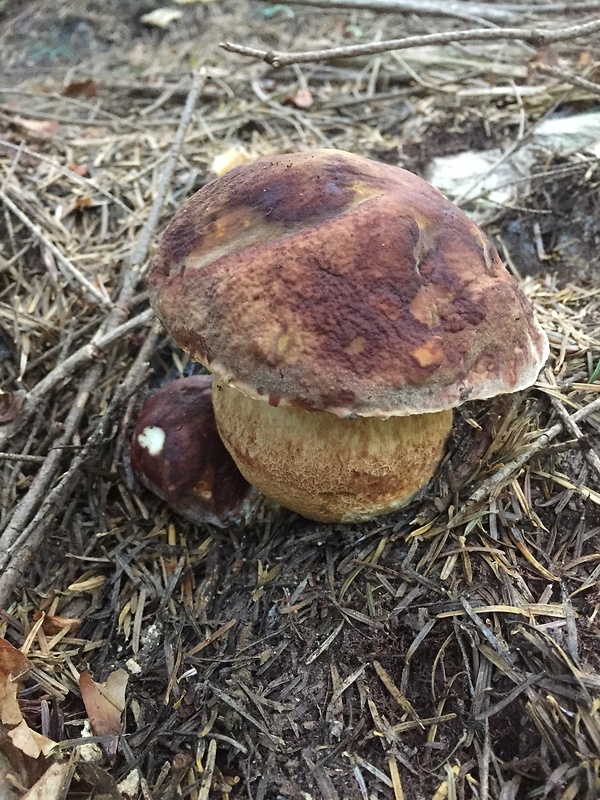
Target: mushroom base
column 325, row 467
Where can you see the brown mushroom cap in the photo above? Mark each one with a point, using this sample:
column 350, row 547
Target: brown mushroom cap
column 177, row 453
column 328, row 281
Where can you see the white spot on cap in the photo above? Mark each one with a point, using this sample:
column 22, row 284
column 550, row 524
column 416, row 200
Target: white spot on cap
column 152, row 439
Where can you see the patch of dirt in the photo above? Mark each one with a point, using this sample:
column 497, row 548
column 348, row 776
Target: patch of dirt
column 451, row 648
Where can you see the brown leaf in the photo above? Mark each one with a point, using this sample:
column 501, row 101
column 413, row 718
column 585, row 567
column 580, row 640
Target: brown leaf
column 8, row 790
column 104, row 702
column 10, row 712
column 17, row 771
column 79, row 169
column 52, row 784
column 29, row 742
column 40, row 127
column 14, row 666
column 87, row 88
column 53, row 625
column 12, row 661
column 301, row 99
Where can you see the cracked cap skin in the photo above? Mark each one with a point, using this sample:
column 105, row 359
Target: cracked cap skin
column 328, row 281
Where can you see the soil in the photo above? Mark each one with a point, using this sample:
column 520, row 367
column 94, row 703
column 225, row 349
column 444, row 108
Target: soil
column 323, row 657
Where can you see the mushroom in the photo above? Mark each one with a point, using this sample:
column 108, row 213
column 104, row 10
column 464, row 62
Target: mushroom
column 345, row 308
column 177, row 453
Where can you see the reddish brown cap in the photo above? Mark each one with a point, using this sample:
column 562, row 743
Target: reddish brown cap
column 178, row 454
column 329, row 281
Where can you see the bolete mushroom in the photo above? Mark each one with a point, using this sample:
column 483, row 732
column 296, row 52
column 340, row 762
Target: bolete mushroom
column 177, row 453
column 344, row 307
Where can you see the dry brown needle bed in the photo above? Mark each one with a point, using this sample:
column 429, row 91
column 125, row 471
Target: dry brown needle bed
column 448, row 650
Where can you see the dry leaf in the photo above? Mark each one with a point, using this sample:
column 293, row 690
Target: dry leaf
column 86, row 88
column 301, row 99
column 130, row 785
column 13, row 666
column 162, row 17
column 104, row 703
column 52, row 784
column 53, row 625
column 79, row 169
column 12, row 661
column 17, row 771
column 10, row 712
column 100, row 779
column 31, row 743
column 8, row 790
column 41, row 127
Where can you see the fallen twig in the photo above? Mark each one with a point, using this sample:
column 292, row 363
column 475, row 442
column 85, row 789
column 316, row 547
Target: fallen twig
column 44, row 477
column 20, row 540
column 458, row 9
column 64, row 369
column 538, row 37
column 574, row 80
column 21, row 536
column 101, row 297
column 492, row 484
column 589, row 454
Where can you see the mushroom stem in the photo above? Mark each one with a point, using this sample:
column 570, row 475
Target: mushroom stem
column 328, row 468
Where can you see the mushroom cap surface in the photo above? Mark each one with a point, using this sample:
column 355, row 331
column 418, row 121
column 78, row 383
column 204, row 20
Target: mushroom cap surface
column 177, row 453
column 328, row 281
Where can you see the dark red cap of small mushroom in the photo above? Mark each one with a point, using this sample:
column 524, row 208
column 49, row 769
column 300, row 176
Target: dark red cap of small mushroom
column 178, row 454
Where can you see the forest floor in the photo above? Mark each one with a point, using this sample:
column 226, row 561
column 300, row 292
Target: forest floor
column 451, row 650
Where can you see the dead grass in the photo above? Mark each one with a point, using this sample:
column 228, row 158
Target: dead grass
column 450, row 651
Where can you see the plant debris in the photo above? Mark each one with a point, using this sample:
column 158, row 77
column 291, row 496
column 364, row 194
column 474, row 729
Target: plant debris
column 450, row 650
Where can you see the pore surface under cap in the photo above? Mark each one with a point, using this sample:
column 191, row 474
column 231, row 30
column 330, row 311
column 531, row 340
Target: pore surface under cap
column 329, row 281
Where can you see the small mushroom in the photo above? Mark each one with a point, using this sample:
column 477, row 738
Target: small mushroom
column 344, row 307
column 178, row 454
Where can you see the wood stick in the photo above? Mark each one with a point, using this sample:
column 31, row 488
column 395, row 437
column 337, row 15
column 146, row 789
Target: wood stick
column 538, row 37
column 24, row 533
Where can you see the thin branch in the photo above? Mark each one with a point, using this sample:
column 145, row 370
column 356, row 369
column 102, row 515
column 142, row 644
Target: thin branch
column 19, row 543
column 511, row 468
column 140, row 251
column 458, row 9
column 22, row 457
column 25, row 530
column 574, row 80
column 573, row 428
column 538, row 37
column 499, row 12
column 45, row 475
column 71, row 271
column 64, row 369
column 114, row 326
column 85, row 354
